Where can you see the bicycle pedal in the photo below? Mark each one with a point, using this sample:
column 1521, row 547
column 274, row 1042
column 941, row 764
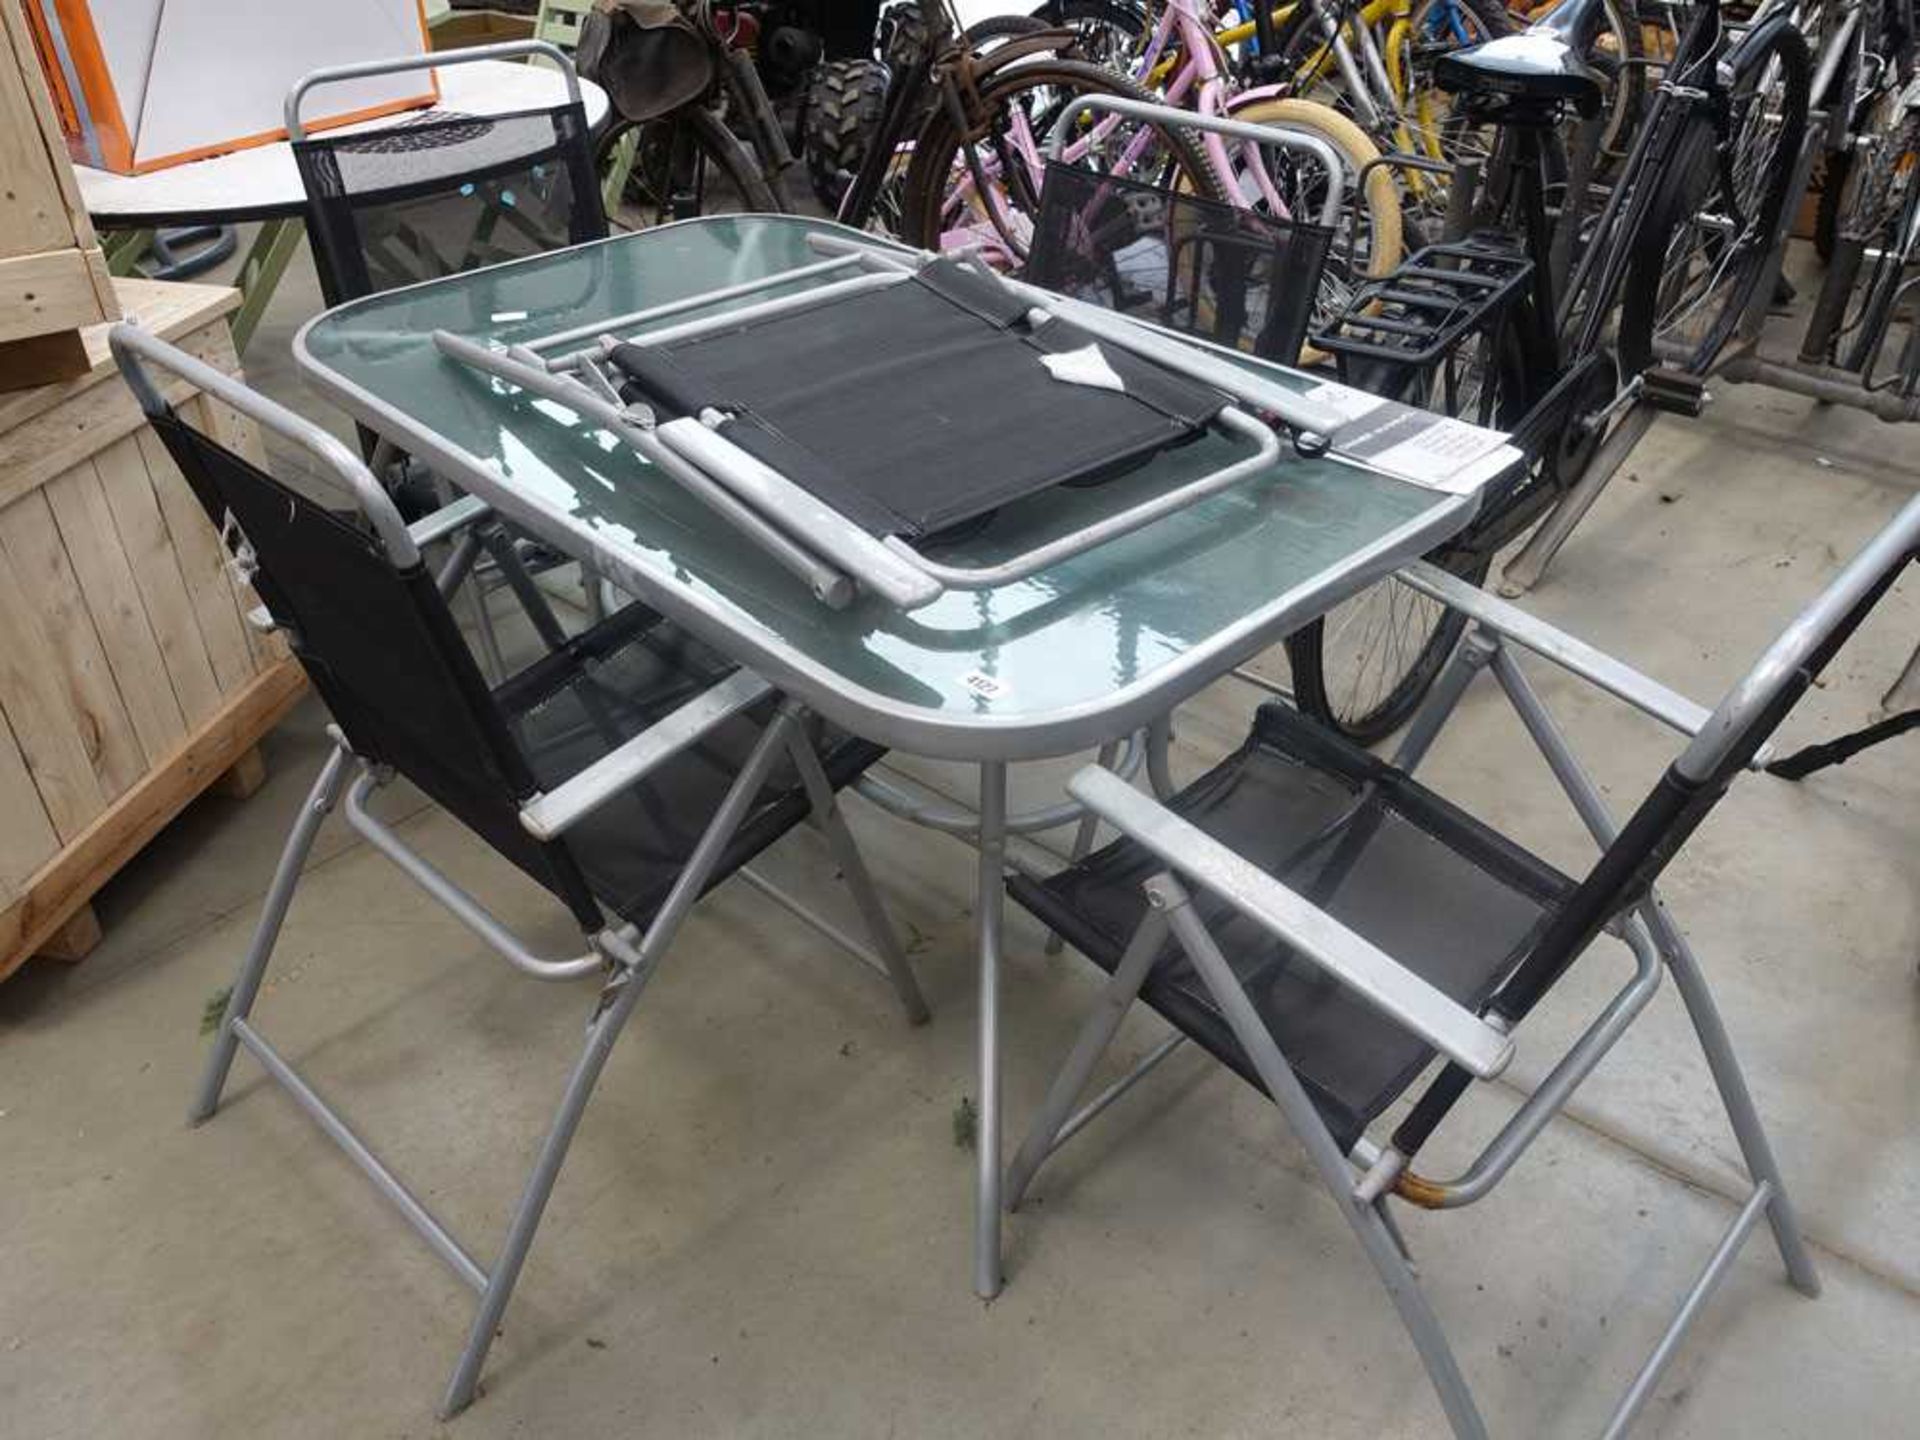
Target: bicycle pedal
column 1674, row 392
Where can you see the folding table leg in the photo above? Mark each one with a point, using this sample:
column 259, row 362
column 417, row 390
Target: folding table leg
column 1167, row 895
column 286, row 876
column 989, row 907
column 617, row 1002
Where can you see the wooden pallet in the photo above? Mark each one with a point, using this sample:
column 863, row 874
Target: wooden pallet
column 129, row 680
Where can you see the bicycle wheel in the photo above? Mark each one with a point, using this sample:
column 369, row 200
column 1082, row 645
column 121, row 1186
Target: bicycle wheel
column 985, row 191
column 1880, row 225
column 1715, row 216
column 676, row 167
column 1108, row 31
column 1364, row 667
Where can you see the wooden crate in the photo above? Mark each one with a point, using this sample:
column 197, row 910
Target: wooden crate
column 129, row 680
column 53, row 278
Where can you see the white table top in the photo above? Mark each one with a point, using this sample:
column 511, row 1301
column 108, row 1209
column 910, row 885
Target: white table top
column 261, row 183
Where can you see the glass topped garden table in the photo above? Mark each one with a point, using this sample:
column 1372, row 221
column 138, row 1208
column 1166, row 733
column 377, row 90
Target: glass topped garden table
column 1076, row 656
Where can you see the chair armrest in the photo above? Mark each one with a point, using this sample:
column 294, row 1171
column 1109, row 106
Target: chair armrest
column 1354, row 961
column 448, row 519
column 1552, row 643
column 548, row 816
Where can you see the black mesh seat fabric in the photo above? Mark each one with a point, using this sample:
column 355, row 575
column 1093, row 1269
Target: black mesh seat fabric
column 1231, row 275
column 384, row 653
column 572, row 706
column 1405, row 869
column 919, row 406
column 445, row 194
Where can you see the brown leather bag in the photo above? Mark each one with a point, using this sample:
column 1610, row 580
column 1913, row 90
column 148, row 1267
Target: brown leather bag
column 646, row 55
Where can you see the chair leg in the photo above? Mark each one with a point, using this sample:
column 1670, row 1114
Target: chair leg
column 1687, row 976
column 1284, row 1086
column 616, row 1006
column 253, row 967
column 1742, row 1114
column 500, row 545
column 856, row 876
column 1096, row 1033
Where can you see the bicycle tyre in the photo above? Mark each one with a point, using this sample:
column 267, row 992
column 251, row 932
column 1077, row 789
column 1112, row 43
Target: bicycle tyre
column 1307, row 656
column 1385, row 222
column 1330, row 689
column 844, row 107
column 1109, row 31
column 1655, row 298
column 713, row 143
column 937, row 148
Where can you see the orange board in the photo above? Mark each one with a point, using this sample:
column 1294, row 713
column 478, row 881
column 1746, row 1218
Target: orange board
column 144, row 84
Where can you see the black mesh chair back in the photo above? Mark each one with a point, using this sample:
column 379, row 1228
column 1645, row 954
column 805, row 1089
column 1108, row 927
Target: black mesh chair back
column 1686, row 794
column 382, row 650
column 445, row 194
column 1233, row 276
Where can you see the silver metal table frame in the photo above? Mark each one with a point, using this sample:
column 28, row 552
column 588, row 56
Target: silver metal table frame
column 991, row 742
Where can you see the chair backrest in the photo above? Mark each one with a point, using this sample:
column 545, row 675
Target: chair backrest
column 439, row 194
column 367, row 622
column 1685, row 795
column 1231, row 275
column 1739, row 727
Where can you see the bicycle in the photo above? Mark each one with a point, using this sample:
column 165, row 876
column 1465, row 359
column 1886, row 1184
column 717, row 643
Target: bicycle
column 679, row 154
column 1573, row 356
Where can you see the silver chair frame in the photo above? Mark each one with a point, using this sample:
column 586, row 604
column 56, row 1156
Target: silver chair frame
column 619, row 952
column 1361, row 1180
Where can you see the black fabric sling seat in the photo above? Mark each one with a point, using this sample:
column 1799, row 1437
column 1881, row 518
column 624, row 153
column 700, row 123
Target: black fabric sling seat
column 384, row 653
column 623, row 676
column 1385, row 856
column 923, row 405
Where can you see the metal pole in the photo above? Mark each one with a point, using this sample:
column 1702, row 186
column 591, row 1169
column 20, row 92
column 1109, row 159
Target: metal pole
column 989, row 906
column 246, row 984
column 617, row 1004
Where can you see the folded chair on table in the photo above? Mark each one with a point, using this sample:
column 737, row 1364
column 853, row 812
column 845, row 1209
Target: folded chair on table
column 628, row 772
column 1328, row 927
column 434, row 194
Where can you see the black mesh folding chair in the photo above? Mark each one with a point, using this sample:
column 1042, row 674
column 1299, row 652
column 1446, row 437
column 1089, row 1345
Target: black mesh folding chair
column 1329, row 929
column 628, row 771
column 438, row 194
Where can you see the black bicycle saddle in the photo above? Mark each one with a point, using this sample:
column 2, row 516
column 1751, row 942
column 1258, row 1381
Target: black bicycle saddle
column 1544, row 62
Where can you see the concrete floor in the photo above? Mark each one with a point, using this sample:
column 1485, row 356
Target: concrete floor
column 763, row 1228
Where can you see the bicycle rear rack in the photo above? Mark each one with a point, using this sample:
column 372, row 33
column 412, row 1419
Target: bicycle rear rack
column 1417, row 314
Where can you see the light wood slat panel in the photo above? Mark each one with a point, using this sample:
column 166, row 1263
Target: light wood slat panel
column 203, row 567
column 37, row 214
column 149, row 550
column 37, row 708
column 32, row 541
column 113, row 599
column 53, row 442
column 27, row 840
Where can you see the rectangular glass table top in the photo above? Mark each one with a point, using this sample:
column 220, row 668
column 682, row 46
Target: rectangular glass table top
column 1075, row 654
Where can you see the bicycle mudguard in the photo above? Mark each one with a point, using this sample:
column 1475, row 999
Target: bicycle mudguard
column 1024, row 47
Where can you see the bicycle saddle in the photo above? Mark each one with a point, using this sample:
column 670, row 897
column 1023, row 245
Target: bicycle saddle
column 1543, row 63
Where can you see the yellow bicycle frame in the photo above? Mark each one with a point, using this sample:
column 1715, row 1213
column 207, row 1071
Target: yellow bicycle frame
column 1395, row 18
